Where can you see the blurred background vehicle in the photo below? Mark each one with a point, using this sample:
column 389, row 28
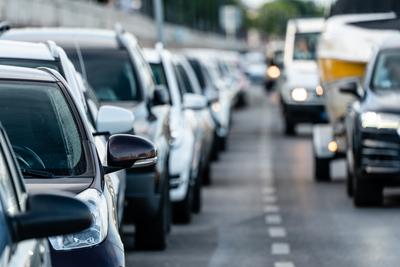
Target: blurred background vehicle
column 112, row 63
column 26, row 219
column 275, row 64
column 184, row 163
column 255, row 66
column 300, row 93
column 372, row 125
column 345, row 48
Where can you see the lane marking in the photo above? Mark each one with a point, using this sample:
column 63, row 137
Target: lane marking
column 273, row 219
column 271, row 208
column 270, row 199
column 268, row 190
column 277, row 232
column 280, row 249
column 284, row 264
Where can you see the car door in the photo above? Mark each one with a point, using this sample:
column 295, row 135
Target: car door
column 33, row 253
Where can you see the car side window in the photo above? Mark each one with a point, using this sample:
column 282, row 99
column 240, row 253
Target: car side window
column 145, row 70
column 185, row 79
column 8, row 195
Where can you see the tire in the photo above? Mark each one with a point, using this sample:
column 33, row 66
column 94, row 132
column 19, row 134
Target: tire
column 182, row 210
column 367, row 194
column 152, row 235
column 322, row 169
column 289, row 128
column 206, row 177
column 197, row 195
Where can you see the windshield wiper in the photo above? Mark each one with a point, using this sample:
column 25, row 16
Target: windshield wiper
column 36, row 173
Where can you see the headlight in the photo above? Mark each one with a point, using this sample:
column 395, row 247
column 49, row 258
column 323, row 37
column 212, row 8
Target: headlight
column 299, row 94
column 380, row 120
column 319, row 90
column 216, row 107
column 96, row 233
column 273, row 72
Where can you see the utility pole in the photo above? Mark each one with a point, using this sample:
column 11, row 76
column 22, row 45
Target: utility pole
column 159, row 18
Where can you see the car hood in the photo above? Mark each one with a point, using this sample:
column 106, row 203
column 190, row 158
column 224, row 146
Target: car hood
column 383, row 102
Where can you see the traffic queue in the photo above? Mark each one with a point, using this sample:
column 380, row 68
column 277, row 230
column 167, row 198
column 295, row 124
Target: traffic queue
column 98, row 133
column 343, row 75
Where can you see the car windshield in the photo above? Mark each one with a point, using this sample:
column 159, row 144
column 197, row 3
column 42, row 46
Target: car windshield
column 159, row 74
column 111, row 73
column 42, row 129
column 386, row 76
column 305, row 46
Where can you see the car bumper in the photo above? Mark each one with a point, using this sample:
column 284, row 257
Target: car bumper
column 300, row 113
column 142, row 197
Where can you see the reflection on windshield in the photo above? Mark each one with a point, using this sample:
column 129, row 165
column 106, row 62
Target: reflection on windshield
column 387, row 71
column 305, row 46
column 42, row 130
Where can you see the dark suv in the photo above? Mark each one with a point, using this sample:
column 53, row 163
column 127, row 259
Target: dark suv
column 112, row 63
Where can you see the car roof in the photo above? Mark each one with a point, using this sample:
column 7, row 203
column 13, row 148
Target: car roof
column 66, row 37
column 25, row 74
column 24, row 50
column 152, row 55
column 391, row 42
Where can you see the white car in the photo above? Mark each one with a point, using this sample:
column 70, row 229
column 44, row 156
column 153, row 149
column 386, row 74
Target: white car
column 34, row 55
column 185, row 149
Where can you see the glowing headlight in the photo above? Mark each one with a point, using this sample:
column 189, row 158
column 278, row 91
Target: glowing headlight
column 319, row 90
column 93, row 235
column 380, row 120
column 299, row 94
column 273, row 72
column 216, row 107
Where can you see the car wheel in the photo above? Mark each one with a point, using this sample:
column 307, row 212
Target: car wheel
column 182, row 210
column 322, row 169
column 197, row 196
column 289, row 128
column 206, row 177
column 367, row 194
column 153, row 235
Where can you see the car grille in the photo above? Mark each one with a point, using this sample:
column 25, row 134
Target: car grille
column 381, row 152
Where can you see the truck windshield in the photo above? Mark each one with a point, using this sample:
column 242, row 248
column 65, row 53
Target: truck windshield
column 387, row 71
column 305, row 46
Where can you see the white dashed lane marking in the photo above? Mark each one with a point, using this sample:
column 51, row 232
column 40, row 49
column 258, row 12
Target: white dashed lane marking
column 271, row 208
column 273, row 219
column 284, row 264
column 277, row 232
column 280, row 249
column 268, row 190
column 270, row 199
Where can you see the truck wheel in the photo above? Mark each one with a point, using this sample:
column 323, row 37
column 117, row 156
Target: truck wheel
column 289, row 128
column 322, row 169
column 182, row 210
column 367, row 194
column 153, row 235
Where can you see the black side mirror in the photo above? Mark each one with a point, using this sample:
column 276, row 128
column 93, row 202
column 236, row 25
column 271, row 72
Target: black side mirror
column 161, row 96
column 350, row 88
column 50, row 215
column 126, row 151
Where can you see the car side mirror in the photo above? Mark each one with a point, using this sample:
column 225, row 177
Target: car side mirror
column 193, row 101
column 114, row 120
column 211, row 95
column 125, row 151
column 351, row 88
column 161, row 96
column 51, row 215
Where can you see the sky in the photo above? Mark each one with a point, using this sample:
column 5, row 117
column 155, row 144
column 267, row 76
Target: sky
column 257, row 3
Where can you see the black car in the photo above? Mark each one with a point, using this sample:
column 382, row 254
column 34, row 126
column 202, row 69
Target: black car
column 373, row 124
column 33, row 217
column 112, row 63
column 55, row 150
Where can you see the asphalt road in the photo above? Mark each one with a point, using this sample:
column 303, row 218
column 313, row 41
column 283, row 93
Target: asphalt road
column 264, row 209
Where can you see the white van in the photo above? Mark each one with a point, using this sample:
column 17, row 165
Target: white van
column 300, row 92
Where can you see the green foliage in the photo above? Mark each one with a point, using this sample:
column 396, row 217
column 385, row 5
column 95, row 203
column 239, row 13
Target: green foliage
column 273, row 16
